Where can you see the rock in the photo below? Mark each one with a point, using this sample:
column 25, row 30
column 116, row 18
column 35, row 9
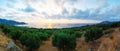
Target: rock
column 12, row 47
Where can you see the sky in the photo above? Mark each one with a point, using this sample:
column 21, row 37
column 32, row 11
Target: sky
column 37, row 12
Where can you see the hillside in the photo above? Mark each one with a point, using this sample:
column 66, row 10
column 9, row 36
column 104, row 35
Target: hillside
column 10, row 22
column 3, row 41
column 105, row 43
column 7, row 44
column 51, row 39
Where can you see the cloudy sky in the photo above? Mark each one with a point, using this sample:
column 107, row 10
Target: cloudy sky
column 60, row 11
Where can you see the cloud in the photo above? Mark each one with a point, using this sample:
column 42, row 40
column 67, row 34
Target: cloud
column 38, row 22
column 74, row 11
column 48, row 7
column 28, row 9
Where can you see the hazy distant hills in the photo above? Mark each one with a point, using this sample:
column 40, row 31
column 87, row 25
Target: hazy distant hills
column 66, row 25
column 10, row 22
column 69, row 25
column 105, row 22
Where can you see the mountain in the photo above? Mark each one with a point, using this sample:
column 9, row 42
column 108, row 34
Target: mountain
column 105, row 22
column 10, row 22
column 69, row 25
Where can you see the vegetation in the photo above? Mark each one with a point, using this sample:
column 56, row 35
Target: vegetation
column 31, row 41
column 15, row 34
column 64, row 42
column 93, row 34
column 29, row 37
column 64, row 39
column 43, row 36
column 78, row 34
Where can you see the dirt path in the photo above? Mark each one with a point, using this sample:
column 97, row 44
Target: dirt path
column 82, row 45
column 47, row 46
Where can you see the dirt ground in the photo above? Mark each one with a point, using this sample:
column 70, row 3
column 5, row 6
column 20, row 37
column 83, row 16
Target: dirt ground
column 118, row 39
column 47, row 46
column 4, row 40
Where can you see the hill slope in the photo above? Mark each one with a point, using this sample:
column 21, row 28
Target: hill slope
column 10, row 22
column 7, row 44
column 108, row 42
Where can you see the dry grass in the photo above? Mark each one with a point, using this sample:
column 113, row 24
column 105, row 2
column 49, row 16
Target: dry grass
column 82, row 45
column 4, row 40
column 109, row 42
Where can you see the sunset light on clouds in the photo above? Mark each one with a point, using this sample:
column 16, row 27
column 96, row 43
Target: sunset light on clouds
column 40, row 12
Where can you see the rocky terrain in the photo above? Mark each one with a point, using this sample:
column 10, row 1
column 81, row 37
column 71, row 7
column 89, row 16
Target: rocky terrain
column 7, row 44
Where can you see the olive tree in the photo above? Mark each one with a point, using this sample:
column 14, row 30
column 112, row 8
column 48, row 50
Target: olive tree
column 93, row 34
column 43, row 36
column 78, row 34
column 15, row 34
column 64, row 42
column 31, row 41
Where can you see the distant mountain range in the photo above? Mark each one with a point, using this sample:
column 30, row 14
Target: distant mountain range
column 67, row 25
column 10, row 22
column 105, row 22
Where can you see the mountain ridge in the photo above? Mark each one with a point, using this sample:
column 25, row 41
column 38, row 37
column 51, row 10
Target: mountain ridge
column 10, row 22
column 105, row 22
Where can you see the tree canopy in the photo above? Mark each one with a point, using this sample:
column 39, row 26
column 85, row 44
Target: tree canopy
column 93, row 34
column 64, row 42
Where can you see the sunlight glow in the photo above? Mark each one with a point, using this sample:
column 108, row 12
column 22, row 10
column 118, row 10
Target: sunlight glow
column 49, row 25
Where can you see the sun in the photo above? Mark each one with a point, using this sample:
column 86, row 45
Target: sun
column 49, row 25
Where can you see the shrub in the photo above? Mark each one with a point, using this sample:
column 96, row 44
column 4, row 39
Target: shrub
column 15, row 34
column 65, row 42
column 31, row 41
column 93, row 34
column 78, row 34
column 43, row 36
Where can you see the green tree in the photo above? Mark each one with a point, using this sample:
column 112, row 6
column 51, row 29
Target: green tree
column 64, row 42
column 31, row 41
column 6, row 30
column 93, row 34
column 15, row 34
column 43, row 36
column 78, row 34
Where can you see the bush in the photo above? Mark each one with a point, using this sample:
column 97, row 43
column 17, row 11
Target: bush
column 65, row 42
column 43, row 36
column 93, row 34
column 15, row 34
column 78, row 34
column 31, row 41
column 6, row 30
